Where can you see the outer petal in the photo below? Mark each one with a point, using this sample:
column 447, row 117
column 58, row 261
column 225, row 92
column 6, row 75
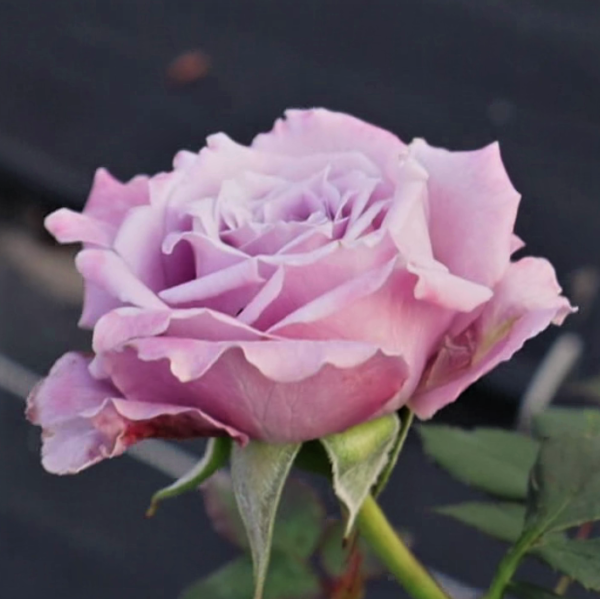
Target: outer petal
column 110, row 199
column 472, row 210
column 72, row 227
column 125, row 324
column 85, row 420
column 525, row 302
column 305, row 132
column 279, row 391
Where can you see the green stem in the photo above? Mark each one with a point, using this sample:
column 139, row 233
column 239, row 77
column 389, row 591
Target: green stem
column 401, row 563
column 509, row 564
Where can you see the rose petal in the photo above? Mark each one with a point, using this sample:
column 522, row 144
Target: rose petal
column 106, row 270
column 139, row 242
column 273, row 390
column 438, row 286
column 525, row 302
column 125, row 324
column 289, row 291
column 473, row 207
column 84, row 420
column 305, row 132
column 242, row 275
column 72, row 227
column 110, row 199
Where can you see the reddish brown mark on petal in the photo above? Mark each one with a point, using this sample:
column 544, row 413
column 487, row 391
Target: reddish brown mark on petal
column 181, row 426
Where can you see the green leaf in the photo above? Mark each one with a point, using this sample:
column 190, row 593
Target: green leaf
column 578, row 559
column 232, row 581
column 216, row 456
column 298, row 524
column 525, row 590
column 334, row 554
column 565, row 485
column 567, row 421
column 222, row 509
column 287, row 579
column 502, row 521
column 358, row 456
column 259, row 472
column 299, row 521
column 494, row 460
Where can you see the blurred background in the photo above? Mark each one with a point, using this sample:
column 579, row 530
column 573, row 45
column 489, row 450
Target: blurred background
column 125, row 84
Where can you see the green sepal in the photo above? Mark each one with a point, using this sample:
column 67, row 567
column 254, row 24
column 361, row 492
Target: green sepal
column 216, row 456
column 406, row 417
column 358, row 456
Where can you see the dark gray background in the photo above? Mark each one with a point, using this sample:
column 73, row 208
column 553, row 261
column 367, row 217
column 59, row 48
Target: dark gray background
column 84, row 84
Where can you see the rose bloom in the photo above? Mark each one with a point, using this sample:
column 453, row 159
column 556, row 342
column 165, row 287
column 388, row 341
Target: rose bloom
column 325, row 275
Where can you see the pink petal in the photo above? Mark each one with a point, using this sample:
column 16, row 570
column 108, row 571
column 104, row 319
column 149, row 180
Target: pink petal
column 239, row 276
column 139, row 243
column 72, row 227
column 473, row 207
column 106, row 270
column 525, row 302
column 305, row 277
column 125, row 324
column 437, row 286
column 378, row 308
column 84, row 420
column 110, row 199
column 273, row 390
column 210, row 255
column 304, row 132
column 96, row 303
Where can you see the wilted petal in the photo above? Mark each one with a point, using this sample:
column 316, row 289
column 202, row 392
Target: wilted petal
column 85, row 420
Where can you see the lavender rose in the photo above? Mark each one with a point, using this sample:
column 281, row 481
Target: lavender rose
column 325, row 275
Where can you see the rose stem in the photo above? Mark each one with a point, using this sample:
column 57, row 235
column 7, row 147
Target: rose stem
column 400, row 561
column 509, row 564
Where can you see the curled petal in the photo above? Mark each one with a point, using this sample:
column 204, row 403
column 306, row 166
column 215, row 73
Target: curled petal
column 68, row 226
column 525, row 302
column 305, row 132
column 472, row 210
column 125, row 324
column 110, row 200
column 85, row 420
